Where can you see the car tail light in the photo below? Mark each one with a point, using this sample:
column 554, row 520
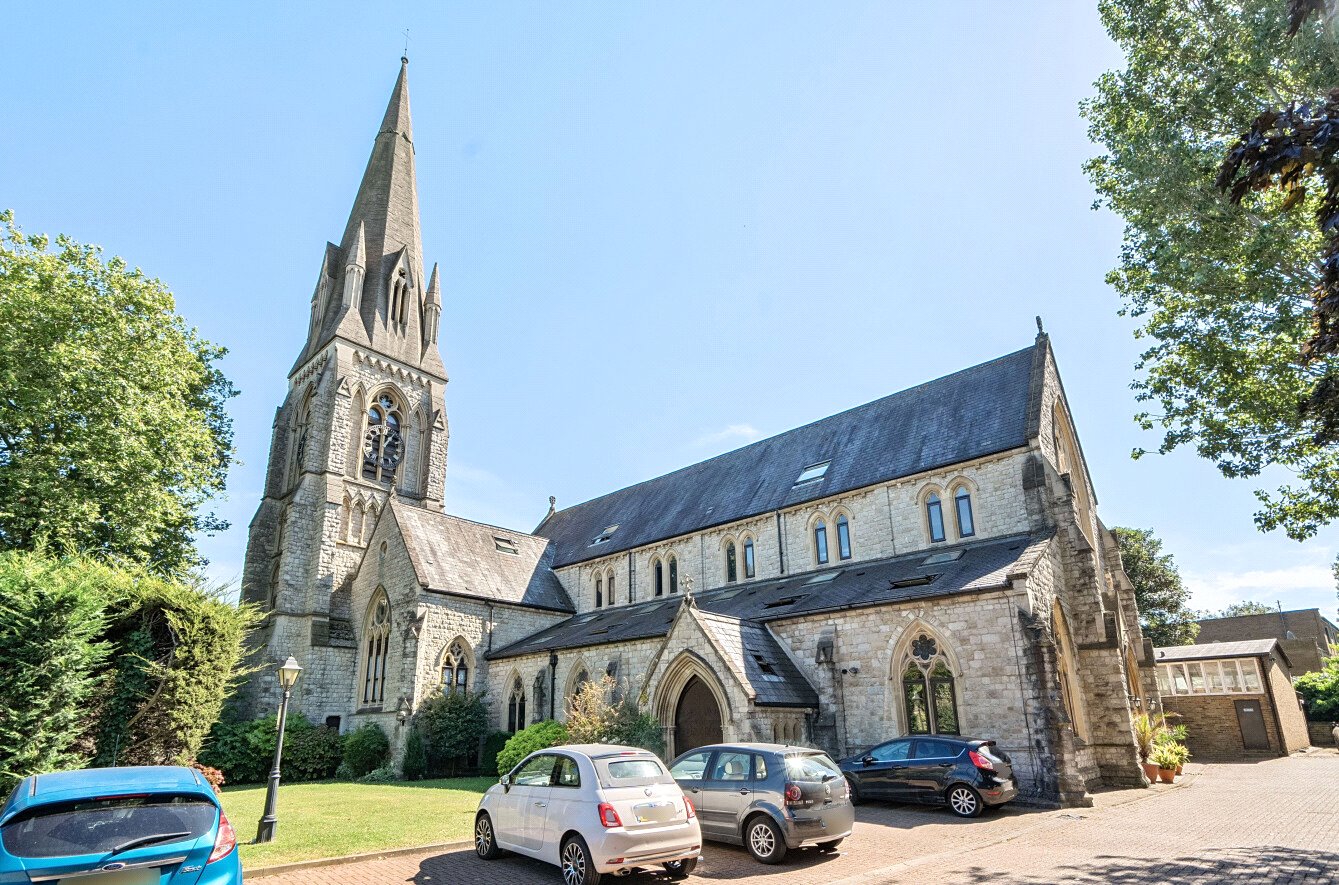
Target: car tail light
column 688, row 807
column 609, row 816
column 793, row 794
column 980, row 761
column 225, row 841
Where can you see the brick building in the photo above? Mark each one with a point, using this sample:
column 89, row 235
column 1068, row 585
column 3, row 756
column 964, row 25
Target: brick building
column 1235, row 698
column 1305, row 635
column 929, row 562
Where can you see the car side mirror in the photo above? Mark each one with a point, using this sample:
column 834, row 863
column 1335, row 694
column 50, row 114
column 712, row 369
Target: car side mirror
column 868, row 760
column 505, row 780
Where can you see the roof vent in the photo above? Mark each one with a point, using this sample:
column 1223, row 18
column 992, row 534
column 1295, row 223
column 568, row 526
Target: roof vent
column 813, row 473
column 911, row 582
column 781, row 603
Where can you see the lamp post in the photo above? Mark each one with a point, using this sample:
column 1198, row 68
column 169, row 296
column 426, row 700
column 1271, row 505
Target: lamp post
column 288, row 677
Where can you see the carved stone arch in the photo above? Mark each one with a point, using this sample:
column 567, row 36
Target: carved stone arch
column 573, row 678
column 1067, row 668
column 515, row 707
column 385, row 422
column 400, row 286
column 923, row 645
column 729, row 546
column 811, row 526
column 923, row 498
column 374, row 638
column 357, row 420
column 686, row 667
column 917, row 625
column 456, row 655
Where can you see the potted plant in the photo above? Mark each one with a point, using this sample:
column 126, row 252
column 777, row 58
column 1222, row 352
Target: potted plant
column 1165, row 758
column 1173, row 736
column 1182, row 755
column 1146, row 731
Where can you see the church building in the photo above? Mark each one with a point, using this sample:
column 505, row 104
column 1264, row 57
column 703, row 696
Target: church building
column 930, row 562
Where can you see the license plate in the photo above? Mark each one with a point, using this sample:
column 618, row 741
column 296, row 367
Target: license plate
column 655, row 812
column 120, row 877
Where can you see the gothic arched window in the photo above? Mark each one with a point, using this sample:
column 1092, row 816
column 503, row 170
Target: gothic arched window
column 673, row 574
column 962, row 504
column 731, row 566
column 376, row 645
column 843, row 537
column 516, row 706
column 821, row 542
column 456, row 668
column 599, row 590
column 609, row 587
column 934, row 514
column 383, row 442
column 659, row 570
column 928, row 691
column 750, row 564
column 300, row 432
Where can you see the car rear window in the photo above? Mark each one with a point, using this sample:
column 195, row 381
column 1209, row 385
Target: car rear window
column 96, row 826
column 632, row 771
column 993, row 751
column 811, row 767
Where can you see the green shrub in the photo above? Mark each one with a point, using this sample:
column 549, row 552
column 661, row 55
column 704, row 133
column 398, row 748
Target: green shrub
column 311, row 753
column 1320, row 692
column 366, row 749
column 635, row 727
column 493, row 745
column 453, row 725
column 593, row 716
column 51, row 621
column 383, row 775
column 526, row 741
column 415, row 765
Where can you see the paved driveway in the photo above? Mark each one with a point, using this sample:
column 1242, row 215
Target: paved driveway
column 1267, row 823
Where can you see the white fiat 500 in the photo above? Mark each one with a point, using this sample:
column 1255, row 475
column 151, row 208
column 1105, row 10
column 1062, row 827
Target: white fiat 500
column 590, row 809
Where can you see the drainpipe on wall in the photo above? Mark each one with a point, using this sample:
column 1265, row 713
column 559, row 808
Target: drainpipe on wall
column 553, row 681
column 780, row 543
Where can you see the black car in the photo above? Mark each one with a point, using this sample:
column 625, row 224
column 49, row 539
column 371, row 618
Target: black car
column 962, row 773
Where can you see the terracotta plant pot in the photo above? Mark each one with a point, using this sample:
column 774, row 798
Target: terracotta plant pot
column 1151, row 772
column 1178, row 769
column 1166, row 775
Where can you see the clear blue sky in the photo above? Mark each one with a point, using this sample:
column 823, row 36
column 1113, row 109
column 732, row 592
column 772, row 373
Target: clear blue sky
column 665, row 230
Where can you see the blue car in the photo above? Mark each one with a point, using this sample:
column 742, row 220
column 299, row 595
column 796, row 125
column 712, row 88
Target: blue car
column 117, row 826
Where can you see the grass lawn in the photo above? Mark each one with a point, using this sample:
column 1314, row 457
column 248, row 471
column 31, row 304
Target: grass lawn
column 333, row 819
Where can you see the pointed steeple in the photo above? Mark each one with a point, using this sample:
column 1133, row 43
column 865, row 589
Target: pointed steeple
column 432, row 312
column 434, row 287
column 355, row 268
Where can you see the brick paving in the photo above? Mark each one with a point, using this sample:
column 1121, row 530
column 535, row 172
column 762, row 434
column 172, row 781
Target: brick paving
column 1269, row 823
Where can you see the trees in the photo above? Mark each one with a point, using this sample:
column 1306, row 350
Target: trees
column 1320, row 691
column 1245, row 607
column 1164, row 612
column 112, row 425
column 595, row 715
column 1221, row 290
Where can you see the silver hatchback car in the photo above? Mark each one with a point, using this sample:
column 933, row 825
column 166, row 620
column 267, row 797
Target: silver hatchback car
column 769, row 798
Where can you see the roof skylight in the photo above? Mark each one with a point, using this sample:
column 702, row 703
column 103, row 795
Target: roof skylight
column 950, row 556
column 768, row 671
column 780, row 603
column 505, row 545
column 604, row 535
column 824, row 578
column 813, row 473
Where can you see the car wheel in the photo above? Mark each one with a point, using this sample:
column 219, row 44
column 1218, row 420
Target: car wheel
column 829, row 846
column 485, row 842
column 853, row 791
column 763, row 839
column 577, row 864
column 964, row 801
column 681, row 869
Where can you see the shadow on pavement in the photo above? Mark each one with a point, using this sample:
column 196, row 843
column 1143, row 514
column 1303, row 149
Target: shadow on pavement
column 1226, row 866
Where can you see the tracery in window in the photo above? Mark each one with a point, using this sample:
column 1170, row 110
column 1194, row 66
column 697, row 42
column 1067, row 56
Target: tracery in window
column 455, row 668
column 516, row 706
column 376, row 645
column 929, row 693
column 843, row 537
column 383, row 442
column 962, row 504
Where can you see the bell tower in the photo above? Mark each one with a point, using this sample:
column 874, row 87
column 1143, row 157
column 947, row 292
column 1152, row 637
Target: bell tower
column 364, row 420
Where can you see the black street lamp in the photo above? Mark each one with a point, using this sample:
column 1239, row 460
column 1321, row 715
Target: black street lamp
column 288, row 677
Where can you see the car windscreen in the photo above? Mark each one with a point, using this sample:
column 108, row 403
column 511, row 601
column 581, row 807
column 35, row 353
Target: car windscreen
column 97, row 826
column 811, row 767
column 631, row 771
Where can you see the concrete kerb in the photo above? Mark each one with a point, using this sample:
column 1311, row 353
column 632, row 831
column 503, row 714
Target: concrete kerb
column 277, row 869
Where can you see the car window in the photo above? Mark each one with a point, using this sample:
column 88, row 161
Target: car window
column 536, row 772
column 638, row 771
column 936, row 750
column 731, row 766
column 893, row 751
column 96, row 826
column 565, row 773
column 759, row 767
column 692, row 767
column 811, row 767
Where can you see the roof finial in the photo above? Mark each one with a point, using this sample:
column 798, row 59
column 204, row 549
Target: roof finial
column 1040, row 330
column 404, row 59
column 553, row 505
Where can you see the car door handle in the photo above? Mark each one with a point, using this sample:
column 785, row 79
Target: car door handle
column 695, row 790
column 540, row 805
column 745, row 792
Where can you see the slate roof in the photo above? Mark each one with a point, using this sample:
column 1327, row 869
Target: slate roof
column 1244, row 648
column 759, row 661
column 983, row 565
column 454, row 555
column 972, row 413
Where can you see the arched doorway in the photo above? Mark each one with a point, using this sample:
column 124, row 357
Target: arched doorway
column 697, row 718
